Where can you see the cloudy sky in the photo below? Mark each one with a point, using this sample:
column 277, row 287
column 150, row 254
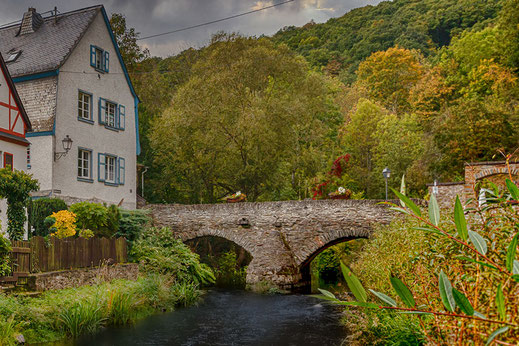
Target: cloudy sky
column 151, row 17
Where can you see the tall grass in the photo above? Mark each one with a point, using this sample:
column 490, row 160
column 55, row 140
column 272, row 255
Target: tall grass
column 185, row 293
column 7, row 330
column 83, row 317
column 121, row 308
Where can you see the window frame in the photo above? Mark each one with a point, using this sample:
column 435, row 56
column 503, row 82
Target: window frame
column 119, row 122
column 6, row 154
column 89, row 179
column 119, row 167
column 90, row 105
column 104, row 59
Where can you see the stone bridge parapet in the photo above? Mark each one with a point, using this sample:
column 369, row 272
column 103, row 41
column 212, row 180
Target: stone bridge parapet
column 282, row 237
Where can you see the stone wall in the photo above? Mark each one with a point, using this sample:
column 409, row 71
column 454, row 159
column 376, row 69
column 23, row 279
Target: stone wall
column 80, row 277
column 475, row 172
column 447, row 193
column 282, row 237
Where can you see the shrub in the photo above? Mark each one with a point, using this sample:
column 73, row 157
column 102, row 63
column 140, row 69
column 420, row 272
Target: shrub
column 7, row 331
column 5, row 259
column 40, row 209
column 64, row 224
column 15, row 187
column 185, row 293
column 86, row 233
column 132, row 224
column 160, row 252
column 228, row 273
column 102, row 220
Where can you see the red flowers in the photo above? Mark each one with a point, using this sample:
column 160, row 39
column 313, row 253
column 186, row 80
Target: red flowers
column 337, row 170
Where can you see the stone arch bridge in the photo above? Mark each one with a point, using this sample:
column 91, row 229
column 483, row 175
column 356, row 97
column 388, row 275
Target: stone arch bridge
column 282, row 237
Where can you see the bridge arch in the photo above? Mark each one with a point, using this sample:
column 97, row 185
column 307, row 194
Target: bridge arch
column 281, row 237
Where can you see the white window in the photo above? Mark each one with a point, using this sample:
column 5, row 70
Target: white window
column 99, row 58
column 84, row 164
column 84, row 106
column 110, row 176
column 110, row 114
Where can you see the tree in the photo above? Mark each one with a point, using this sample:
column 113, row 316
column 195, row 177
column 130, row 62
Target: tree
column 252, row 117
column 127, row 41
column 15, row 187
column 388, row 76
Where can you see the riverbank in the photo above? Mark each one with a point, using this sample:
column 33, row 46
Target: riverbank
column 60, row 314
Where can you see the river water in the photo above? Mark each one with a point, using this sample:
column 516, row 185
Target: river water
column 234, row 318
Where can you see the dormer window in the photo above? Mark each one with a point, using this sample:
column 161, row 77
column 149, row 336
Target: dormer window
column 99, row 59
column 13, row 55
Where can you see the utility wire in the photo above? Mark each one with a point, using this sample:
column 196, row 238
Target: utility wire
column 216, row 21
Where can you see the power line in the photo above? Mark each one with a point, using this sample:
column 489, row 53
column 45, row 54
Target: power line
column 216, row 21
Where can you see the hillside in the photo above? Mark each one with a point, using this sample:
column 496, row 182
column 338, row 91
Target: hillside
column 340, row 44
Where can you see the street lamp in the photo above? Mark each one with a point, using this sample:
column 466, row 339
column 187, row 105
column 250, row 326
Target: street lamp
column 67, row 145
column 386, row 173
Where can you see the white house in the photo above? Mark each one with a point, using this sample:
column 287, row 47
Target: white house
column 80, row 100
column 13, row 125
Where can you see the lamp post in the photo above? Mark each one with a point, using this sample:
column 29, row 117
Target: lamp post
column 67, row 145
column 386, row 173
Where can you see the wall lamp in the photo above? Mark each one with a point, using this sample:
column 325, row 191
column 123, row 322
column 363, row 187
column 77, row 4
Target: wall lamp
column 67, row 145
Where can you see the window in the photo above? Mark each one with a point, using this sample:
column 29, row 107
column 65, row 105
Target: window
column 84, row 106
column 12, row 56
column 8, row 160
column 112, row 115
column 111, row 169
column 28, row 157
column 99, row 59
column 84, row 164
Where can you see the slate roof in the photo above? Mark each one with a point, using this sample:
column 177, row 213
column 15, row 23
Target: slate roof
column 47, row 48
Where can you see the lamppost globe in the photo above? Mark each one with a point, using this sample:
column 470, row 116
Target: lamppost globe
column 386, row 173
column 67, row 143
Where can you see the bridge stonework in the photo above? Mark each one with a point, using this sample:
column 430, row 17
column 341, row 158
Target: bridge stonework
column 282, row 237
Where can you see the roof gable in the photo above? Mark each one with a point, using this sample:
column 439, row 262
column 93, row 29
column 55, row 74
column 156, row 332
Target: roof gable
column 14, row 93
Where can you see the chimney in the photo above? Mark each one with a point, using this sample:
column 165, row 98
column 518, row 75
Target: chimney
column 31, row 21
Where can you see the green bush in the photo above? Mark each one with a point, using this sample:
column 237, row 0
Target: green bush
column 132, row 223
column 160, row 252
column 102, row 220
column 40, row 209
column 5, row 259
column 228, row 273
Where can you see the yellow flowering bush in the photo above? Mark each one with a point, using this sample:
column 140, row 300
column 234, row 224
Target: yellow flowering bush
column 65, row 224
column 86, row 233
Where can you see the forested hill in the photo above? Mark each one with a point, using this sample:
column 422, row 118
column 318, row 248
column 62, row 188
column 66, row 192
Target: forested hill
column 340, row 44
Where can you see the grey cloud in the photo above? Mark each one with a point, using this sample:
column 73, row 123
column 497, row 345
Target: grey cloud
column 156, row 16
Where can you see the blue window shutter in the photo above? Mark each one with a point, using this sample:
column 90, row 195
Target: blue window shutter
column 106, row 61
column 102, row 111
column 122, row 167
column 101, row 167
column 92, row 56
column 122, row 117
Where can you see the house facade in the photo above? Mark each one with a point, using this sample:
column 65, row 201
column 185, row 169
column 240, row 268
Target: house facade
column 80, row 100
column 14, row 123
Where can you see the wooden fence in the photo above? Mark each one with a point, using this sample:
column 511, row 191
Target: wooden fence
column 38, row 255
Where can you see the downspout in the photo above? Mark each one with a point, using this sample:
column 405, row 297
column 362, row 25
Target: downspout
column 142, row 180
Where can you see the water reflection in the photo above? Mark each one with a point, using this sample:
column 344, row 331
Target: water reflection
column 234, row 318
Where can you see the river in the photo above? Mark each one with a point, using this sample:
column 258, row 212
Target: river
column 234, row 318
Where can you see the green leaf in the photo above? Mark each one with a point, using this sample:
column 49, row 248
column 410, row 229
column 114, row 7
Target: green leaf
column 403, row 292
column 496, row 333
column 459, row 220
column 479, row 242
column 327, row 294
column 400, row 210
column 402, row 189
column 410, row 204
column 510, row 253
column 386, row 299
column 515, row 269
column 434, row 210
column 354, row 284
column 361, row 304
column 446, row 292
column 500, row 302
column 427, row 229
column 463, row 302
column 514, row 191
column 479, row 314
column 478, row 262
column 515, row 277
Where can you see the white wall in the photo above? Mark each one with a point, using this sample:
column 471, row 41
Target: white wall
column 42, row 160
column 77, row 74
